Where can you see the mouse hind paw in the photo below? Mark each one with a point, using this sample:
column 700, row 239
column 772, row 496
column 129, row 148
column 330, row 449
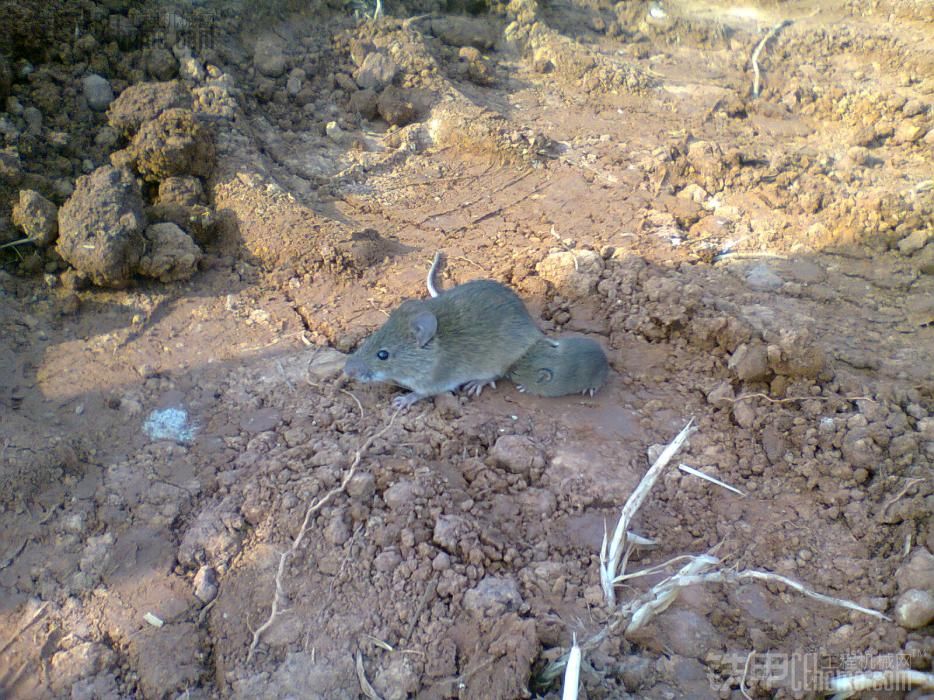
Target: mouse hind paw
column 405, row 400
column 476, row 386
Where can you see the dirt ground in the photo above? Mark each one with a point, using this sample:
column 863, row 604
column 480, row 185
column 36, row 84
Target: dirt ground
column 761, row 264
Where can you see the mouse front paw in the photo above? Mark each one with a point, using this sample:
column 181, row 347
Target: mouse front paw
column 405, row 400
column 476, row 386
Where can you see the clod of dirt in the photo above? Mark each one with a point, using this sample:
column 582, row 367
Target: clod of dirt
column 464, row 31
column 97, row 92
column 396, row 107
column 211, row 538
column 573, row 273
column 914, row 609
column 376, row 72
column 517, row 453
column 750, row 363
column 918, row 572
column 81, row 661
column 363, row 102
column 160, row 63
column 101, row 226
column 144, row 102
column 167, row 658
column 796, row 355
column 174, row 143
column 302, row 675
column 170, row 253
column 502, row 658
column 492, row 597
column 398, row 680
column 37, row 217
column 268, row 56
column 913, row 242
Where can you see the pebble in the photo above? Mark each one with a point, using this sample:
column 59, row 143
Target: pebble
column 377, row 71
column 517, row 453
column 913, row 242
column 914, row 609
column 33, row 119
column 762, row 279
column 493, row 596
column 205, row 584
column 97, row 92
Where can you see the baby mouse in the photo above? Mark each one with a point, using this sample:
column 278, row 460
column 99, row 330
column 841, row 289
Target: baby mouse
column 560, row 367
column 468, row 335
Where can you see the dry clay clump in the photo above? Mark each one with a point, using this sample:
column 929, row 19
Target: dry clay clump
column 104, row 224
column 103, row 234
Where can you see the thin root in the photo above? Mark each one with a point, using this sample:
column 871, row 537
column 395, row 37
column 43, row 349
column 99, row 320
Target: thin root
column 279, row 594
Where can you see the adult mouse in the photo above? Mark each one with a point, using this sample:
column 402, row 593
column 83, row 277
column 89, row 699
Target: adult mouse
column 572, row 365
column 469, row 335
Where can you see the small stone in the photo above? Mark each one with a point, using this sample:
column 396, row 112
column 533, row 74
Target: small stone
column 448, row 531
column 762, row 279
column 517, row 453
column 376, row 72
column 361, row 486
column 33, row 119
column 913, row 242
column 37, row 217
column 744, row 414
column 913, row 108
column 750, row 363
column 918, row 572
column 492, row 597
column 573, row 273
column 774, row 444
column 160, row 63
column 907, row 132
column 387, row 561
column 721, row 395
column 335, row 133
column 363, row 102
column 395, row 106
column 268, row 57
column 171, row 255
column 337, row 531
column 441, row 562
column 97, row 92
column 401, row 494
column 296, row 79
column 205, row 584
column 914, row 609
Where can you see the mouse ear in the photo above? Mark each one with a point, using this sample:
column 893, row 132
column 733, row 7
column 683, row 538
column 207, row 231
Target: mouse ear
column 424, row 326
column 545, row 375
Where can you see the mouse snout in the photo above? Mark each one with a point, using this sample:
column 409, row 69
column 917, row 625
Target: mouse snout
column 356, row 368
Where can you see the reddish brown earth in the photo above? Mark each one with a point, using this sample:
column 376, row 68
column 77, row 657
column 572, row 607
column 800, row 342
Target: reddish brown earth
column 762, row 265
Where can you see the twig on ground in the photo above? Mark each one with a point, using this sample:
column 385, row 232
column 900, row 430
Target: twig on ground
column 26, row 624
column 742, row 682
column 279, row 594
column 573, row 672
column 699, row 474
column 845, row 686
column 900, row 494
column 755, row 54
column 609, row 561
column 423, row 601
column 21, row 241
column 365, row 686
column 760, row 395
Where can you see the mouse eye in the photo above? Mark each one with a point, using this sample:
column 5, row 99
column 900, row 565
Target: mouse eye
column 383, row 354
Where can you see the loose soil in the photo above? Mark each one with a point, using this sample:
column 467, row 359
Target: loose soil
column 761, row 264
